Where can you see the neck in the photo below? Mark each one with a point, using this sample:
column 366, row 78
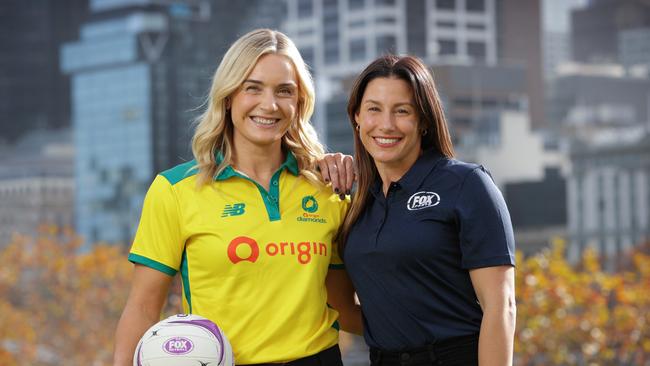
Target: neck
column 258, row 162
column 390, row 173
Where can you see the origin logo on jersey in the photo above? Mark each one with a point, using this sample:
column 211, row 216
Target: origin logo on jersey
column 303, row 251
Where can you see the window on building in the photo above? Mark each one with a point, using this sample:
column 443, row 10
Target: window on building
column 332, row 51
column 446, row 47
column 476, row 26
column 446, row 24
column 386, row 44
column 357, row 23
column 385, row 20
column 357, row 49
column 356, row 4
column 305, row 8
column 476, row 50
column 446, row 4
column 308, row 56
column 475, row 5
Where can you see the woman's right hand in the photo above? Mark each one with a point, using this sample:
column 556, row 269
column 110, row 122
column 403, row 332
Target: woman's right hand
column 339, row 169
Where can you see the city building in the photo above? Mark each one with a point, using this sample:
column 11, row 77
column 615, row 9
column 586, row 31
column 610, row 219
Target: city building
column 530, row 173
column 634, row 49
column 339, row 37
column 597, row 95
column 519, row 43
column 34, row 93
column 140, row 73
column 36, row 184
column 596, row 27
column 608, row 194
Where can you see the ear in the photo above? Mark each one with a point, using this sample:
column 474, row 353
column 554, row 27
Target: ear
column 356, row 120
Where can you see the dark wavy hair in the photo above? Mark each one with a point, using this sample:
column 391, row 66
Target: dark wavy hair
column 433, row 124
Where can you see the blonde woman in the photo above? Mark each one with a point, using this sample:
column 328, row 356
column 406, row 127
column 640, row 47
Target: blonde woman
column 249, row 224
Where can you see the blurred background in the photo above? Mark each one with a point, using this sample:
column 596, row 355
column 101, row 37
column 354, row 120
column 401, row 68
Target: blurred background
column 552, row 96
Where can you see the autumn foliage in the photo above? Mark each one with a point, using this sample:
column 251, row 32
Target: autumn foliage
column 60, row 302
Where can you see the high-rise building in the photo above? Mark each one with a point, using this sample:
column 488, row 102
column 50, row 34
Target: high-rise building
column 140, row 71
column 34, row 93
column 36, row 183
column 634, row 49
column 338, row 37
column 519, row 41
column 593, row 96
column 596, row 27
column 609, row 194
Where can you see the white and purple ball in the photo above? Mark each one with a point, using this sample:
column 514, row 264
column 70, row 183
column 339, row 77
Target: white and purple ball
column 184, row 340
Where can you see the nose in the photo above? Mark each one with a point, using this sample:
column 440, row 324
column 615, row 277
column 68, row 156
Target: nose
column 386, row 122
column 269, row 102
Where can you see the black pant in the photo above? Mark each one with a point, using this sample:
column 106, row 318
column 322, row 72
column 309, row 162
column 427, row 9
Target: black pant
column 458, row 351
column 328, row 357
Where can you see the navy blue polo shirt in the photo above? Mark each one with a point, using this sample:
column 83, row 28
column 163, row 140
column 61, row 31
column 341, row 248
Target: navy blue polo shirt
column 410, row 252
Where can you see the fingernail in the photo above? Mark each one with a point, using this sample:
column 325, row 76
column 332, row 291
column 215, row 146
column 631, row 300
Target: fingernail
column 336, row 190
column 342, row 196
column 347, row 193
column 327, row 180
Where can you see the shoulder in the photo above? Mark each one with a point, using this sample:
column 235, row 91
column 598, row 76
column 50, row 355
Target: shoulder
column 457, row 169
column 180, row 172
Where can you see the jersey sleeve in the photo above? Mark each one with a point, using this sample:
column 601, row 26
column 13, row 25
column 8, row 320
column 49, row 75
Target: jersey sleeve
column 335, row 261
column 158, row 241
column 486, row 235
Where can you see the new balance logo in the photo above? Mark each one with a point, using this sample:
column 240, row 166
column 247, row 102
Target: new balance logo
column 233, row 210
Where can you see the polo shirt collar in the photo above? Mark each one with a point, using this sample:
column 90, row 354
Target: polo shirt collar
column 414, row 177
column 290, row 164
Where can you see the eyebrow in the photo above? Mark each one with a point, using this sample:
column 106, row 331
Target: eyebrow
column 291, row 83
column 396, row 105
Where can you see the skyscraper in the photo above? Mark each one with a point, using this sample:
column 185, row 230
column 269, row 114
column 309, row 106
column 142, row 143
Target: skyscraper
column 140, row 71
column 33, row 91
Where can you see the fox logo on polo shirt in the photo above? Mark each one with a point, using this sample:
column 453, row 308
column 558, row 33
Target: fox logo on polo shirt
column 422, row 200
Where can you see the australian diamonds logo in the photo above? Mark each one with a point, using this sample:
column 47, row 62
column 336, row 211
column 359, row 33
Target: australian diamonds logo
column 310, row 206
column 233, row 210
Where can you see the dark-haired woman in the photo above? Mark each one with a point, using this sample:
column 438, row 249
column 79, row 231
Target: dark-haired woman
column 428, row 241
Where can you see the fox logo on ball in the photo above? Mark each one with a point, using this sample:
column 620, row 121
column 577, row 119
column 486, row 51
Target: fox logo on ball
column 178, row 346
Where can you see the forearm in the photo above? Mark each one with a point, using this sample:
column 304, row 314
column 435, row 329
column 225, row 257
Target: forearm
column 351, row 320
column 132, row 325
column 496, row 340
column 142, row 310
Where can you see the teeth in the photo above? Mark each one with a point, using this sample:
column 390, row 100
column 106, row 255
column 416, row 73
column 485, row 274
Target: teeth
column 264, row 121
column 385, row 140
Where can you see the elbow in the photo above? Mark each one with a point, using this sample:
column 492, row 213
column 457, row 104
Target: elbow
column 511, row 312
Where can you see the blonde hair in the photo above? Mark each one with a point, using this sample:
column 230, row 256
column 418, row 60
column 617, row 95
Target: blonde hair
column 214, row 128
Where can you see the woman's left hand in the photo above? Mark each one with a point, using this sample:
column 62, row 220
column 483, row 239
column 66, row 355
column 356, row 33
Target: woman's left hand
column 340, row 170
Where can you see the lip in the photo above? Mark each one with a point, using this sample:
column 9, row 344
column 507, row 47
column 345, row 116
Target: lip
column 395, row 141
column 264, row 125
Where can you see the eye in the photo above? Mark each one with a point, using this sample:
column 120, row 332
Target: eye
column 403, row 111
column 285, row 92
column 252, row 88
column 373, row 109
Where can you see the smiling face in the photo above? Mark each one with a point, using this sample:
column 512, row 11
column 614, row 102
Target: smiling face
column 388, row 124
column 265, row 105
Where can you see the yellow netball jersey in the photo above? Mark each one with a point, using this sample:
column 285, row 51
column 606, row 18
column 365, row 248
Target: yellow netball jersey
column 253, row 261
